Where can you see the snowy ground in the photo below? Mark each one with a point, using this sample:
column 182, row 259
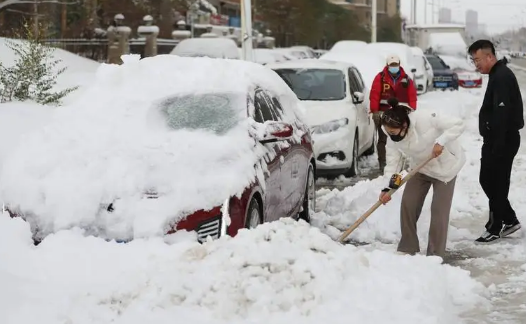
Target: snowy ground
column 501, row 267
column 282, row 272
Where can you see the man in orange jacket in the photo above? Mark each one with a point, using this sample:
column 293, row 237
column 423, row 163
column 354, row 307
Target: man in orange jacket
column 392, row 82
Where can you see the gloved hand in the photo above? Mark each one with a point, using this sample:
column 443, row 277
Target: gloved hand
column 395, row 181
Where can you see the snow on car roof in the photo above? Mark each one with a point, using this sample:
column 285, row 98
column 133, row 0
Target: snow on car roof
column 212, row 47
column 167, row 124
column 310, row 63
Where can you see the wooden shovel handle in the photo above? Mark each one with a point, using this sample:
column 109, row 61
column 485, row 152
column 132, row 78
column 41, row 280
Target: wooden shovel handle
column 377, row 204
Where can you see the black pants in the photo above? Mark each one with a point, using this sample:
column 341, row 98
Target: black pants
column 495, row 174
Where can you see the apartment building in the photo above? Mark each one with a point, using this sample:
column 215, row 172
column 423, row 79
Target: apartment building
column 362, row 8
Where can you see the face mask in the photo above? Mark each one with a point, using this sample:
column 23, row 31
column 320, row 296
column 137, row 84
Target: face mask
column 394, row 69
column 398, row 137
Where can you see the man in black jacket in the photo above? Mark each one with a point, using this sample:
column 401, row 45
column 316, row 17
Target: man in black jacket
column 500, row 119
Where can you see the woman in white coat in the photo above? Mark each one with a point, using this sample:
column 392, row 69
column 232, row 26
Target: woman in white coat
column 418, row 135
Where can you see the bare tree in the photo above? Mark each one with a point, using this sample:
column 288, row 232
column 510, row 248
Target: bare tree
column 35, row 3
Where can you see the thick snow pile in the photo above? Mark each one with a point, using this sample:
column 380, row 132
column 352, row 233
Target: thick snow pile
column 80, row 71
column 448, row 44
column 114, row 145
column 341, row 209
column 281, row 272
column 18, row 119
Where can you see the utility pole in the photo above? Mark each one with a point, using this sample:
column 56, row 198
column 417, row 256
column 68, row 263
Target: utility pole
column 425, row 11
column 246, row 30
column 414, row 12
column 433, row 10
column 374, row 14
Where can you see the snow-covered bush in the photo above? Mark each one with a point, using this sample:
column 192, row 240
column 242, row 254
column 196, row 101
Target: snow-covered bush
column 34, row 73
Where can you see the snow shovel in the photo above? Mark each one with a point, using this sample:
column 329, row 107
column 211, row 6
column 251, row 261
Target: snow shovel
column 379, row 203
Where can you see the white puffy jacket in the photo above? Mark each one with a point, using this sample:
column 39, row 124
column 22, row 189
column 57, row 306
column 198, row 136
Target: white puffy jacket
column 427, row 128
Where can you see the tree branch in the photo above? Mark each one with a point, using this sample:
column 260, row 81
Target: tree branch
column 6, row 3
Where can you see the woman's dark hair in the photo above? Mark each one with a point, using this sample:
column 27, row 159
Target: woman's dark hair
column 397, row 115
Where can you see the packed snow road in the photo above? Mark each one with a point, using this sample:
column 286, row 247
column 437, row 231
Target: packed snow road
column 500, row 267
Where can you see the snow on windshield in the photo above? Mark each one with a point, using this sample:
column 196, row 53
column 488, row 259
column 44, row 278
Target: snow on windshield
column 211, row 111
column 315, row 84
column 111, row 146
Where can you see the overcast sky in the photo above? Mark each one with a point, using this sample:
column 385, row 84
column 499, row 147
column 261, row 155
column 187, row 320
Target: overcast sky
column 498, row 15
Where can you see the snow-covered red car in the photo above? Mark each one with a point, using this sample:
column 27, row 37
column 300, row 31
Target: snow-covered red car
column 468, row 78
column 166, row 144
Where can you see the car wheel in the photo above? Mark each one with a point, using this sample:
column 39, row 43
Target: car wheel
column 309, row 199
column 372, row 149
column 254, row 216
column 353, row 170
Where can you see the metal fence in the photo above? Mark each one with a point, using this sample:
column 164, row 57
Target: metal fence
column 97, row 48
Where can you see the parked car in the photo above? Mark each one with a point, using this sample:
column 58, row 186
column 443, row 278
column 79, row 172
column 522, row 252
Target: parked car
column 180, row 149
column 468, row 76
column 336, row 109
column 444, row 78
column 320, row 52
column 268, row 55
column 424, row 74
column 219, row 47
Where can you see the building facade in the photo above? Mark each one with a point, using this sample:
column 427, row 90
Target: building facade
column 472, row 22
column 444, row 16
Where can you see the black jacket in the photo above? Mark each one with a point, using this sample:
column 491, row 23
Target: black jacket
column 501, row 111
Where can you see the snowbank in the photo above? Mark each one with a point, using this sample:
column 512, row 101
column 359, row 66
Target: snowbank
column 448, row 44
column 113, row 145
column 281, row 272
column 18, row 119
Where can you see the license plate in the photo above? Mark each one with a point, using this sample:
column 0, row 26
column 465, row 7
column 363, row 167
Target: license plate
column 470, row 83
column 441, row 84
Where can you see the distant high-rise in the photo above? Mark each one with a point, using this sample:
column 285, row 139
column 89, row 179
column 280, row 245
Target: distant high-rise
column 444, row 16
column 472, row 22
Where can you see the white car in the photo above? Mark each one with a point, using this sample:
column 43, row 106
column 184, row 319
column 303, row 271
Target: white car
column 336, row 109
column 424, row 73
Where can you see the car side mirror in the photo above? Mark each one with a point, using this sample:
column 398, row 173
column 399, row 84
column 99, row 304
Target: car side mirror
column 276, row 131
column 448, row 67
column 358, row 97
column 413, row 70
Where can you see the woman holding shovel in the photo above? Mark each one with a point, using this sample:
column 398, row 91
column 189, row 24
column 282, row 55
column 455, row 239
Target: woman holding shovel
column 419, row 135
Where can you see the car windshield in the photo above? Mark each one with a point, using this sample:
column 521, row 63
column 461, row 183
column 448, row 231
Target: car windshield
column 436, row 63
column 315, row 84
column 216, row 112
